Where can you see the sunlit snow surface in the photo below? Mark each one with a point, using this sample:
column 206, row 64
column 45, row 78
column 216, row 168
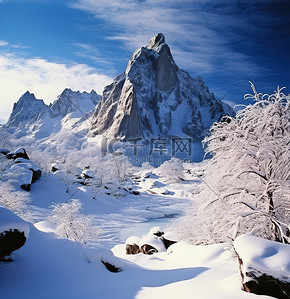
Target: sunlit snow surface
column 47, row 267
column 268, row 257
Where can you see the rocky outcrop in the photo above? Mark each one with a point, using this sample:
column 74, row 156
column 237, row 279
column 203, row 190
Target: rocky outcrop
column 10, row 241
column 23, row 172
column 264, row 266
column 148, row 249
column 132, row 248
column 152, row 243
column 18, row 153
column 13, row 233
column 153, row 97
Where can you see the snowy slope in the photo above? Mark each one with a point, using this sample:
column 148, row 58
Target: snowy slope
column 47, row 267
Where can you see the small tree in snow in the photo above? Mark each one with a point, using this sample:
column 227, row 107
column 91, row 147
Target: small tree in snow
column 5, row 138
column 172, row 170
column 71, row 224
column 248, row 178
column 13, row 200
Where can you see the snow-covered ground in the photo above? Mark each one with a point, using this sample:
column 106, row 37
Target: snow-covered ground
column 48, row 267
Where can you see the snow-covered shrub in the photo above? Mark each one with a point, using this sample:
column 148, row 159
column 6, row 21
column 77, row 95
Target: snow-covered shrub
column 246, row 187
column 171, row 170
column 71, row 224
column 13, row 200
column 44, row 160
column 4, row 165
column 5, row 138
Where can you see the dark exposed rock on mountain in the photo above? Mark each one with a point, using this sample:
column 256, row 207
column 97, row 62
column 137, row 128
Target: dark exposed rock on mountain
column 153, row 97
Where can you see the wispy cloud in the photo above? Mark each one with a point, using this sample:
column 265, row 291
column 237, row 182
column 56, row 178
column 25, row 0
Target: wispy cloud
column 44, row 78
column 3, row 43
column 206, row 37
column 193, row 28
column 93, row 54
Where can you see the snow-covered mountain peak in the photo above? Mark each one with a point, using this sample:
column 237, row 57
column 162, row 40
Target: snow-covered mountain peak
column 156, row 41
column 155, row 98
column 25, row 109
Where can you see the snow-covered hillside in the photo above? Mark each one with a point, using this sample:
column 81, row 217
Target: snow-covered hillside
column 48, row 267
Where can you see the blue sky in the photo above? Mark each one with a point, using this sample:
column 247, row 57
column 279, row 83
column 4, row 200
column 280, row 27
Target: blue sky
column 47, row 45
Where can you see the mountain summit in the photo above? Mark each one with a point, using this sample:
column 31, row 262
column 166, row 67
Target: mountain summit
column 154, row 97
column 25, row 109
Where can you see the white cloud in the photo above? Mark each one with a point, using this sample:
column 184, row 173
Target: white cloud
column 44, row 78
column 3, row 43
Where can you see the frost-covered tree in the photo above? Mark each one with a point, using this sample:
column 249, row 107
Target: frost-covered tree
column 247, row 182
column 172, row 170
column 71, row 224
column 12, row 199
column 5, row 138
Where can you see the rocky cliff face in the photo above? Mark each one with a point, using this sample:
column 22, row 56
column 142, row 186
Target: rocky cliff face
column 25, row 110
column 153, row 97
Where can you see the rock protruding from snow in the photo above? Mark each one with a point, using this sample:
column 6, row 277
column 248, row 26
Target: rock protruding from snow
column 151, row 243
column 27, row 108
column 264, row 266
column 18, row 153
column 23, row 172
column 153, row 97
column 13, row 232
column 132, row 246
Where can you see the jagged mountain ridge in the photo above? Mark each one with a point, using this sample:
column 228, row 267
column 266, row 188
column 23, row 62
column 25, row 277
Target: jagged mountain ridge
column 27, row 108
column 73, row 102
column 153, row 97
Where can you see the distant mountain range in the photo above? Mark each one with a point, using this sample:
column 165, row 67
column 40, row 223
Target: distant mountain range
column 152, row 98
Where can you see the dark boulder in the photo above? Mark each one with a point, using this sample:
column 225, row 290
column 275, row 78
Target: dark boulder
column 166, row 242
column 132, row 249
column 264, row 266
column 36, row 174
column 10, row 241
column 110, row 267
column 19, row 153
column 148, row 249
column 263, row 284
column 26, row 187
column 4, row 151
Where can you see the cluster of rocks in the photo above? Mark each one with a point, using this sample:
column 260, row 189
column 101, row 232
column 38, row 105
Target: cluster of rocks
column 152, row 243
column 88, row 177
column 22, row 169
column 13, row 233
